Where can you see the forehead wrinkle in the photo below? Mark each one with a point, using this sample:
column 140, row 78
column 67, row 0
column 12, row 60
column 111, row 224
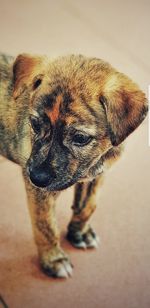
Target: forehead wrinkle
column 80, row 109
column 86, row 128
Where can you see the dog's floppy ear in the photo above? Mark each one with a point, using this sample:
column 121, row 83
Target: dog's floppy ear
column 27, row 70
column 125, row 106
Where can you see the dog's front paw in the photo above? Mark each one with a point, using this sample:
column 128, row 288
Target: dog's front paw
column 56, row 265
column 79, row 239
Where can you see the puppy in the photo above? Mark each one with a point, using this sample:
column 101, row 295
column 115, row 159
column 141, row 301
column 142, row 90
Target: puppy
column 64, row 121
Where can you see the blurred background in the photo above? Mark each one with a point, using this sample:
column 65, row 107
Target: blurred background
column 118, row 273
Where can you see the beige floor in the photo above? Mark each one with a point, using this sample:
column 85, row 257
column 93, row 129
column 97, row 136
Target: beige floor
column 117, row 275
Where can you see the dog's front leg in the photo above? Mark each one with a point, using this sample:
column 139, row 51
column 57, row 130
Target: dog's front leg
column 53, row 260
column 80, row 233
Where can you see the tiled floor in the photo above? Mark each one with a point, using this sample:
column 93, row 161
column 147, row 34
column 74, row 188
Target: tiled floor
column 117, row 275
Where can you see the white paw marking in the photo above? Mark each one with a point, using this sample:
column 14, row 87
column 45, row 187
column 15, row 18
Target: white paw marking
column 65, row 270
column 94, row 243
column 80, row 245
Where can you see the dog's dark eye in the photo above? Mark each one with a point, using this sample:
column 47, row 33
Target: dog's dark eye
column 35, row 123
column 37, row 83
column 81, row 140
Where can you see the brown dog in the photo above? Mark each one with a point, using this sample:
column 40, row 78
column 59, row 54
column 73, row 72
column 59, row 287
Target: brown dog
column 63, row 121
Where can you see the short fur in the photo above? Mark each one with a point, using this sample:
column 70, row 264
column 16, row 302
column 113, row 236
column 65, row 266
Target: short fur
column 63, row 122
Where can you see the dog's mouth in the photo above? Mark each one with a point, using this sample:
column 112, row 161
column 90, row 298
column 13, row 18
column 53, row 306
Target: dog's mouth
column 58, row 186
column 50, row 182
column 55, row 185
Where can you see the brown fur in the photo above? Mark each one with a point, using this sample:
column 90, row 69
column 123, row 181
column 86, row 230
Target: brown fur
column 81, row 110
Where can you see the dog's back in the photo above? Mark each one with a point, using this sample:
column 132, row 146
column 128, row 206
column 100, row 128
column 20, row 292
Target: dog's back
column 5, row 69
column 9, row 122
column 5, row 76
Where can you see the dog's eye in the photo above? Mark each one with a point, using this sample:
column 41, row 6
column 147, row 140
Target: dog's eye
column 35, row 123
column 37, row 83
column 81, row 140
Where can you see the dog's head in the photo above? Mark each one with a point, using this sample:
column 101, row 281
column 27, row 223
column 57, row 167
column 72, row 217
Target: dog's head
column 79, row 108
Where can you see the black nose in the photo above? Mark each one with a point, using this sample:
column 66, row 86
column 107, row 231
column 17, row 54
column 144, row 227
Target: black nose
column 41, row 176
